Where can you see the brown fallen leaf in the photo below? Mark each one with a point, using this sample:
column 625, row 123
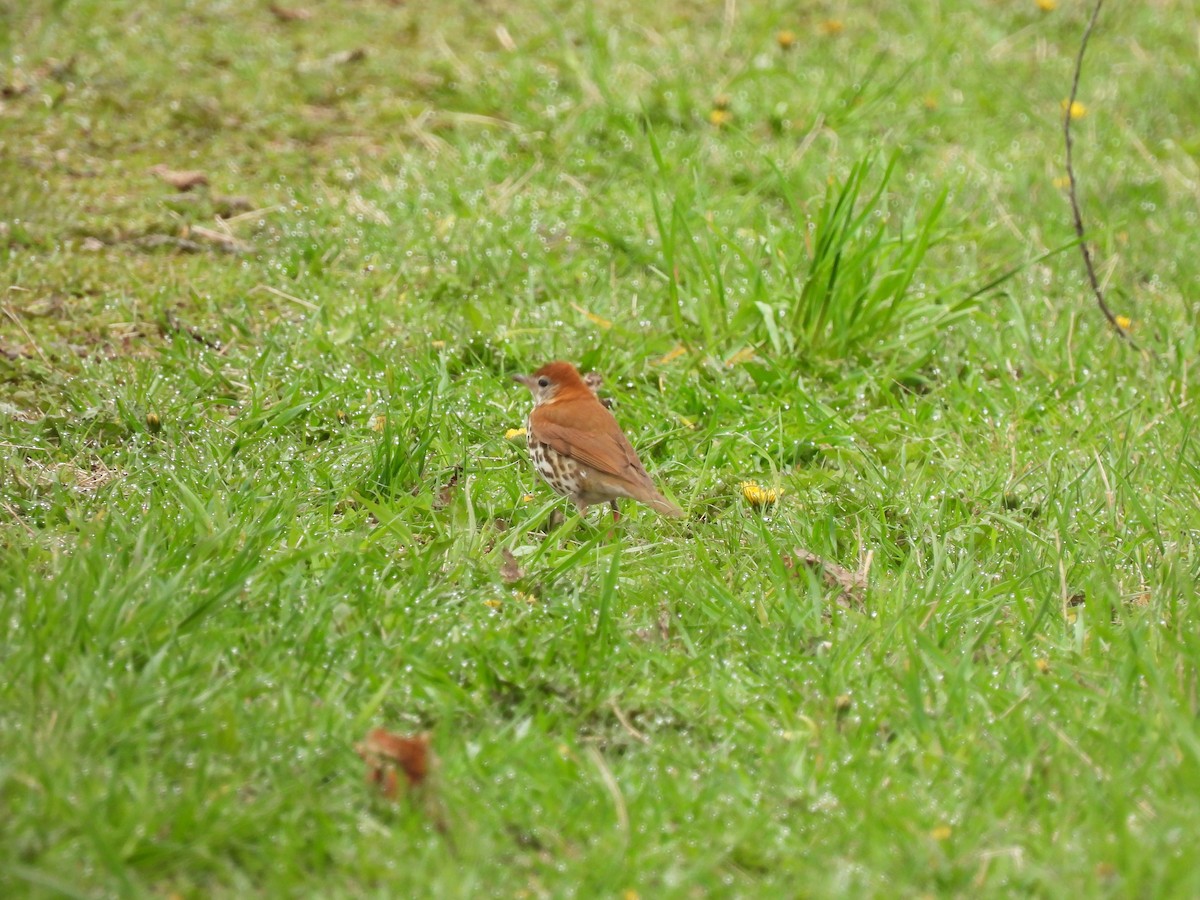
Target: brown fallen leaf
column 284, row 14
column 358, row 54
column 841, row 708
column 663, row 630
column 852, row 586
column 51, row 68
column 15, row 88
column 511, row 571
column 388, row 755
column 664, row 623
column 446, row 492
column 226, row 207
column 182, row 180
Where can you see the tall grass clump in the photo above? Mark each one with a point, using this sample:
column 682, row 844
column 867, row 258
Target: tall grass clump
column 857, row 292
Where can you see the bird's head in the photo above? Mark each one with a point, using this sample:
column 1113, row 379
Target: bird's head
column 553, row 380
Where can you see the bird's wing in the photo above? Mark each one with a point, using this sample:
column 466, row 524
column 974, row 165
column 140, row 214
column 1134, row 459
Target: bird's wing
column 604, row 449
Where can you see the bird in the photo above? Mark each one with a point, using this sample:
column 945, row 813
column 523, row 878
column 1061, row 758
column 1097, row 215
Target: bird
column 579, row 449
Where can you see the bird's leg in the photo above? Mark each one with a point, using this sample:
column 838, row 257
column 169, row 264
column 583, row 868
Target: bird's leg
column 616, row 512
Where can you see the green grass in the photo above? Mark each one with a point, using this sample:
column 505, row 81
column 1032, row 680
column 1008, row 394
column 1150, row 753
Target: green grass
column 253, row 504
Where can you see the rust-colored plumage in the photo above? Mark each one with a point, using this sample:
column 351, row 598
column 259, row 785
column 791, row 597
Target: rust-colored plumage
column 577, row 446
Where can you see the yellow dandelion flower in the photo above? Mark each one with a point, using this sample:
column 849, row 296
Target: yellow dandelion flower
column 1125, row 322
column 513, row 433
column 1047, row 5
column 785, row 39
column 1078, row 110
column 832, row 26
column 1042, row 665
column 1062, row 181
column 630, row 894
column 527, row 498
column 438, row 344
column 759, row 496
column 494, row 604
column 720, row 117
column 941, row 833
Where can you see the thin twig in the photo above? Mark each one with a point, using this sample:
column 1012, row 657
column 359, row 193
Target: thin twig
column 16, row 515
column 633, row 732
column 285, row 296
column 1083, row 247
column 614, row 790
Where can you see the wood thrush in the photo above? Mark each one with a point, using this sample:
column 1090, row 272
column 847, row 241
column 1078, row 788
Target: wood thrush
column 577, row 446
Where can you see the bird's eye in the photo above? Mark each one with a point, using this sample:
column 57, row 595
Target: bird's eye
column 543, row 381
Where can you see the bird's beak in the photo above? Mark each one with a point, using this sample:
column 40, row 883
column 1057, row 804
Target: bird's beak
column 526, row 380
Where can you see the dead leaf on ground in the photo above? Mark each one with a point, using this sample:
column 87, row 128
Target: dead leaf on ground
column 15, row 412
column 182, row 179
column 15, row 88
column 358, row 54
column 226, row 207
column 389, row 755
column 51, row 68
column 852, row 586
column 285, row 14
column 663, row 630
column 511, row 571
column 446, row 492
column 86, row 480
column 664, row 623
